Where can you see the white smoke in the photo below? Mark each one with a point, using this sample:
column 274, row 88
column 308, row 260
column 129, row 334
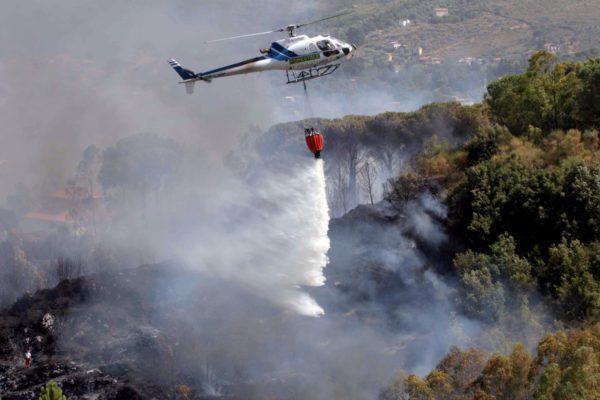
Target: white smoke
column 271, row 236
column 421, row 221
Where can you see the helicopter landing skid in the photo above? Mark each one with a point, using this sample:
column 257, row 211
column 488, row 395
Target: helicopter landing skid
column 311, row 73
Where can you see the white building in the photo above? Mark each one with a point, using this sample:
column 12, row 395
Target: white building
column 441, row 12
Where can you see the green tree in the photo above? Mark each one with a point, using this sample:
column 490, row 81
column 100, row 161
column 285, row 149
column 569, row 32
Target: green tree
column 506, row 99
column 51, row 391
column 496, row 282
column 588, row 104
column 579, row 296
column 541, row 63
column 548, row 96
column 594, row 256
column 582, row 200
column 568, row 258
column 486, row 143
column 498, row 195
column 482, row 296
column 510, row 267
column 562, row 87
column 549, row 381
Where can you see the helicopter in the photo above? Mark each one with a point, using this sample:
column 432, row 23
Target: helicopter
column 301, row 57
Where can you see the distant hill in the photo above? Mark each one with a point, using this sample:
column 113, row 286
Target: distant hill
column 455, row 56
column 481, row 28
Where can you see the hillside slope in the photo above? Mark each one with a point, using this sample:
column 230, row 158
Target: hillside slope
column 478, row 28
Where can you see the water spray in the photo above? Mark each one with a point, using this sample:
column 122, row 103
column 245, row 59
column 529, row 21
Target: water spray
column 268, row 233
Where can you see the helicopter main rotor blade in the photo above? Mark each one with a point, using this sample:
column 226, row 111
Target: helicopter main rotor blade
column 242, row 36
column 288, row 28
column 324, row 19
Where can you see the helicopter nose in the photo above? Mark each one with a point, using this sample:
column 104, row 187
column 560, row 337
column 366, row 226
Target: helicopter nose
column 348, row 49
column 351, row 51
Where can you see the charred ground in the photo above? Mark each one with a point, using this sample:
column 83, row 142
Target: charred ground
column 143, row 333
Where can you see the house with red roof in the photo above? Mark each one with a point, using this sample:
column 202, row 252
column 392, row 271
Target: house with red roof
column 74, row 207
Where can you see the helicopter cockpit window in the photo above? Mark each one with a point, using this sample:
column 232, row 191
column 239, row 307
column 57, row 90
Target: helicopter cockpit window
column 325, row 45
column 327, row 48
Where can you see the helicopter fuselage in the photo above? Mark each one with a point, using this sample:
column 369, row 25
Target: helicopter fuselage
column 293, row 53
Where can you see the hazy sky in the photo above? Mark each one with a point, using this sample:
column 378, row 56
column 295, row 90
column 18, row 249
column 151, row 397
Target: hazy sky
column 80, row 72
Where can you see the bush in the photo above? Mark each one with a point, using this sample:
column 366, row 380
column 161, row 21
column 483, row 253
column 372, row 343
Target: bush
column 51, row 391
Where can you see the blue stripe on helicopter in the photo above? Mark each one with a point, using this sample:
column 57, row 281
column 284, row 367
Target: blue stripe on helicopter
column 283, row 50
column 278, row 52
column 239, row 64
